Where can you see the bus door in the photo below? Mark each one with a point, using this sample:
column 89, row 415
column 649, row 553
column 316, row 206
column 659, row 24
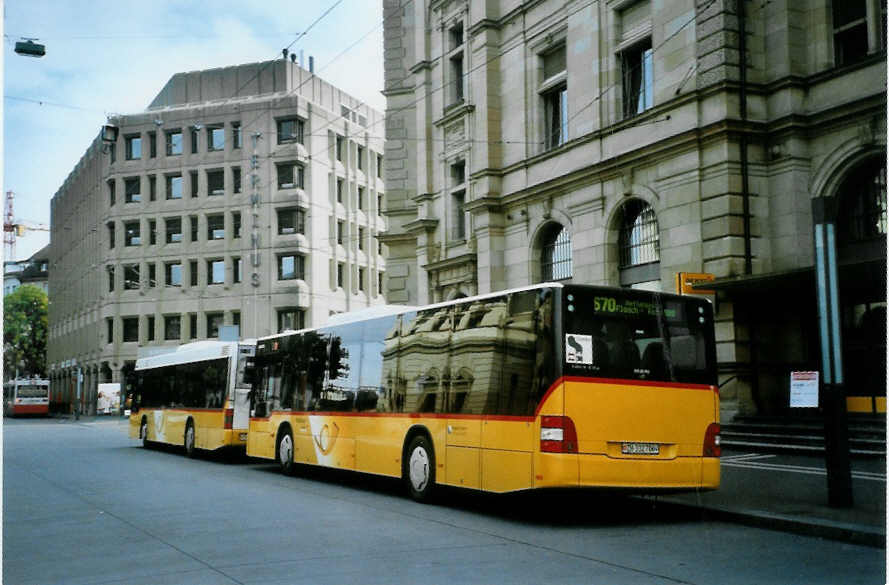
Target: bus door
column 243, row 381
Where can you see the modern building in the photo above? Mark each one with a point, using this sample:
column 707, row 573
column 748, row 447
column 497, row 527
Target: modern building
column 622, row 142
column 246, row 195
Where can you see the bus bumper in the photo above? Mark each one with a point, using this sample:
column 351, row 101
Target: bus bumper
column 588, row 470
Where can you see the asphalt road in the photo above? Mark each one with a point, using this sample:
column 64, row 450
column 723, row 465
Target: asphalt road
column 83, row 504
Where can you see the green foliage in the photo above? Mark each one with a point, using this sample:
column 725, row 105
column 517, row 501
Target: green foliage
column 25, row 325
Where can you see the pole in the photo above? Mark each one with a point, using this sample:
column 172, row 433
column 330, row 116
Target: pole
column 836, row 431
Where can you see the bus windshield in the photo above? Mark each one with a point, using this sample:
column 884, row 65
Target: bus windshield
column 639, row 336
column 32, row 391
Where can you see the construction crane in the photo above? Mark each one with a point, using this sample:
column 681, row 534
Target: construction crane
column 13, row 228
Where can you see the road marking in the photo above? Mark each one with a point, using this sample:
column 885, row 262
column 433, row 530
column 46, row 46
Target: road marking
column 750, row 462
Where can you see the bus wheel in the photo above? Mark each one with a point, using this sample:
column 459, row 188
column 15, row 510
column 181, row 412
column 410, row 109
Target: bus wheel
column 143, row 433
column 285, row 451
column 419, row 472
column 189, row 439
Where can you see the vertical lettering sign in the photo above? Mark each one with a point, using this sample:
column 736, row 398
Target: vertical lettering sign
column 255, row 258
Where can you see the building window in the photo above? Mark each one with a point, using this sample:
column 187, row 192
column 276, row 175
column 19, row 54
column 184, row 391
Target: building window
column 193, row 135
column 173, row 228
column 380, row 282
column 112, row 195
column 192, row 325
column 638, row 78
column 110, row 271
column 133, row 147
column 291, row 221
column 340, row 274
column 554, row 94
column 638, row 244
column 340, row 232
column 130, row 329
column 150, row 332
column 194, row 228
column 236, row 224
column 215, row 138
column 455, row 59
column 193, row 179
column 109, row 329
column 216, row 271
column 172, row 327
column 152, row 232
column 458, row 200
column 132, row 235
column 193, row 272
column 291, row 267
column 862, row 207
column 152, row 275
column 291, row 319
column 361, row 195
column 361, row 236
column 111, row 234
column 174, row 142
column 340, row 187
column 380, row 166
column 556, row 253
column 132, row 187
column 290, row 175
column 290, row 130
column 152, row 144
column 859, row 29
column 215, row 227
column 359, row 158
column 361, row 272
column 131, row 277
column 152, row 188
column 236, row 319
column 236, row 135
column 216, row 182
column 236, row 179
column 174, row 186
column 214, row 322
column 379, row 204
column 237, row 269
column 173, row 274
column 340, row 148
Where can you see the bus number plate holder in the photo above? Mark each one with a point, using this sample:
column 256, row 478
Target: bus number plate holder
column 640, row 448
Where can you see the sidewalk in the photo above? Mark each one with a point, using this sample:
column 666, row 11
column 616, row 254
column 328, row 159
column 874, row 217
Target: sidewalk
column 792, row 503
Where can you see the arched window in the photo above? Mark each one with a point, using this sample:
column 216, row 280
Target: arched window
column 638, row 244
column 556, row 255
column 862, row 204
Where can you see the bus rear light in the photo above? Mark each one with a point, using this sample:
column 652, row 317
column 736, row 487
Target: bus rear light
column 712, row 441
column 557, row 435
column 229, row 418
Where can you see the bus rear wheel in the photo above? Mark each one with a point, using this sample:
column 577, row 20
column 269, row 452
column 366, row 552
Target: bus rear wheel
column 189, row 439
column 419, row 469
column 284, row 449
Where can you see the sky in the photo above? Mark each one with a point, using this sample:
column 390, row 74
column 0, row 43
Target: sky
column 113, row 57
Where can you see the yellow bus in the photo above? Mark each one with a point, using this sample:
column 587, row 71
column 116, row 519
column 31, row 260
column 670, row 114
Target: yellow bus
column 549, row 386
column 196, row 396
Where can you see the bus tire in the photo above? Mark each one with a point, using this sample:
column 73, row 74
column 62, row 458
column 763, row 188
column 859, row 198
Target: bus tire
column 143, row 433
column 189, row 439
column 418, row 470
column 284, row 451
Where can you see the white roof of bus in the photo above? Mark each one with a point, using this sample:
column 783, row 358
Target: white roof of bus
column 385, row 310
column 197, row 351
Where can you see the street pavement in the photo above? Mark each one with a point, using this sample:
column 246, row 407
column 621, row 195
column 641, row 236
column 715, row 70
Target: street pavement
column 85, row 505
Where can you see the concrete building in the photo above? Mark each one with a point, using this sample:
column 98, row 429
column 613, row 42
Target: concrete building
column 247, row 195
column 621, row 142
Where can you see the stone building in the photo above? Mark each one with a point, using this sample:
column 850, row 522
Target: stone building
column 247, row 195
column 621, row 142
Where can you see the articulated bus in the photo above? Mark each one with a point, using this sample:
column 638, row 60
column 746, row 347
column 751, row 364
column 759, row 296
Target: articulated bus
column 550, row 386
column 196, row 396
column 26, row 396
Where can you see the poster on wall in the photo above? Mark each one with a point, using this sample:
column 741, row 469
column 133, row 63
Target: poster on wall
column 109, row 398
column 803, row 389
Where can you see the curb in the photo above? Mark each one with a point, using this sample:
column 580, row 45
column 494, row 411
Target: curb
column 840, row 531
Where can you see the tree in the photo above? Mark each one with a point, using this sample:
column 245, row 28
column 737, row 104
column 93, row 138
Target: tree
column 25, row 325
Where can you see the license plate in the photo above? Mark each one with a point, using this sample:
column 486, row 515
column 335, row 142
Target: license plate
column 243, row 436
column 639, row 448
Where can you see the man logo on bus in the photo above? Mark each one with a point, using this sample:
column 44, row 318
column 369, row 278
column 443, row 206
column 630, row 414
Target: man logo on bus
column 579, row 349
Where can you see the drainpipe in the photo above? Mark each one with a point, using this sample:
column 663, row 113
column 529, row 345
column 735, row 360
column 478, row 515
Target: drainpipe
column 745, row 184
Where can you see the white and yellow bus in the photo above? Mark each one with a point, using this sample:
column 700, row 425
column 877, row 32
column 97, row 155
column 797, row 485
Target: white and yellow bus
column 196, row 396
column 550, row 386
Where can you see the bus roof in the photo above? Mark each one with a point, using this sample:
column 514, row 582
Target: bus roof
column 197, row 351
